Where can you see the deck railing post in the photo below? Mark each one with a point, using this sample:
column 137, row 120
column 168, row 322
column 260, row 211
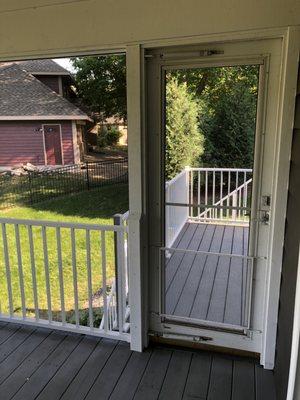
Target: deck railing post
column 120, row 272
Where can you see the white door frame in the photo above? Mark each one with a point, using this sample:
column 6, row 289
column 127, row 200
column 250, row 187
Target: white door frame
column 287, row 82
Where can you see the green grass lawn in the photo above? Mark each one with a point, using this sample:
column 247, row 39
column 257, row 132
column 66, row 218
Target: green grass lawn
column 94, row 207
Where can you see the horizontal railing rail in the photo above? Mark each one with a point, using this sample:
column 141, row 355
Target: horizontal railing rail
column 62, row 275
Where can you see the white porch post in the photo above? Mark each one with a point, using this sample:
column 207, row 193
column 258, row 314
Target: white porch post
column 135, row 149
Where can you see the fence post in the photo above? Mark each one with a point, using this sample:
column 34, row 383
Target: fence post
column 30, row 187
column 87, row 176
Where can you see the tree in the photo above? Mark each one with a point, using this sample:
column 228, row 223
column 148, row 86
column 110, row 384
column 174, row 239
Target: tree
column 228, row 118
column 101, row 85
column 227, row 99
column 184, row 141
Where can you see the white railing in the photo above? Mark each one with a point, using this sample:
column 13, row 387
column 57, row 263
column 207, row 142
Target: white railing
column 236, row 206
column 177, row 191
column 220, row 194
column 61, row 275
column 207, row 195
column 122, row 272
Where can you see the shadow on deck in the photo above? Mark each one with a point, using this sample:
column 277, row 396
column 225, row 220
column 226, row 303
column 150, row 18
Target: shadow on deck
column 43, row 364
column 208, row 287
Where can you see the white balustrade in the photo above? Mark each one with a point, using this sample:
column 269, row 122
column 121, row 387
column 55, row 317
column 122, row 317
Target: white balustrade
column 66, row 276
column 210, row 195
column 220, row 194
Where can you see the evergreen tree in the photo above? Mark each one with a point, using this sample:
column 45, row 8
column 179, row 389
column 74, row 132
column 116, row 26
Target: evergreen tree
column 184, row 141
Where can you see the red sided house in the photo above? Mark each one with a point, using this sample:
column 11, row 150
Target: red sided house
column 38, row 124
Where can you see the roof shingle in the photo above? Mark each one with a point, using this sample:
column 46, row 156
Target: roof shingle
column 23, row 95
column 43, row 66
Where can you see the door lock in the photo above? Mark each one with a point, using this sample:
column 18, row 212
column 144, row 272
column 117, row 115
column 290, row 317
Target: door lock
column 265, row 218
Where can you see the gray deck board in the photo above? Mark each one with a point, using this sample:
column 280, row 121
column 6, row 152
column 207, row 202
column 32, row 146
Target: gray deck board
column 23, row 372
column 176, row 285
column 37, row 381
column 176, row 376
column 185, row 302
column 233, row 310
column 8, row 331
column 21, row 352
column 54, row 365
column 264, row 384
column 131, row 376
column 61, row 380
column 153, row 378
column 203, row 286
column 220, row 379
column 217, row 303
column 15, row 340
column 110, row 374
column 203, row 295
column 175, row 260
column 89, row 372
column 198, row 378
column 243, row 380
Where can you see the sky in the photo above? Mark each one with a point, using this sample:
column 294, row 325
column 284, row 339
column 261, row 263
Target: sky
column 65, row 63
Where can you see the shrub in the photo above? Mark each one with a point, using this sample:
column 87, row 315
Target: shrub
column 108, row 136
column 113, row 136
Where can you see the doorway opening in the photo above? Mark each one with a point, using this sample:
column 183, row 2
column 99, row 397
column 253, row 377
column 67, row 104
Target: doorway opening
column 209, row 123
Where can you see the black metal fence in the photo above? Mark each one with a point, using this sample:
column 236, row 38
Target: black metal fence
column 38, row 186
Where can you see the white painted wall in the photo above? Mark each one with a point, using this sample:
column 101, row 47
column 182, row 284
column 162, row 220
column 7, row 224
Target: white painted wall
column 86, row 24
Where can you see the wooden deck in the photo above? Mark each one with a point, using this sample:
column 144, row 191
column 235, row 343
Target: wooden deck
column 208, row 287
column 46, row 365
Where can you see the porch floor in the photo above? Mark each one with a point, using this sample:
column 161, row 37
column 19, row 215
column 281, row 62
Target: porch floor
column 208, row 287
column 44, row 364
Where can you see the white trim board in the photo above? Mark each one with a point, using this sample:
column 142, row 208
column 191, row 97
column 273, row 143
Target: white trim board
column 94, row 49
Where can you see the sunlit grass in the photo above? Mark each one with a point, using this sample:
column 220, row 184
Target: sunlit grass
column 92, row 207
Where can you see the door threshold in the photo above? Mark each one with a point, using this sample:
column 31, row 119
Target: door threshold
column 208, row 325
column 185, row 342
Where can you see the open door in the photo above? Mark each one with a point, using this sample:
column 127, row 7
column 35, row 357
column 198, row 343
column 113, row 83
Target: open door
column 209, row 190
